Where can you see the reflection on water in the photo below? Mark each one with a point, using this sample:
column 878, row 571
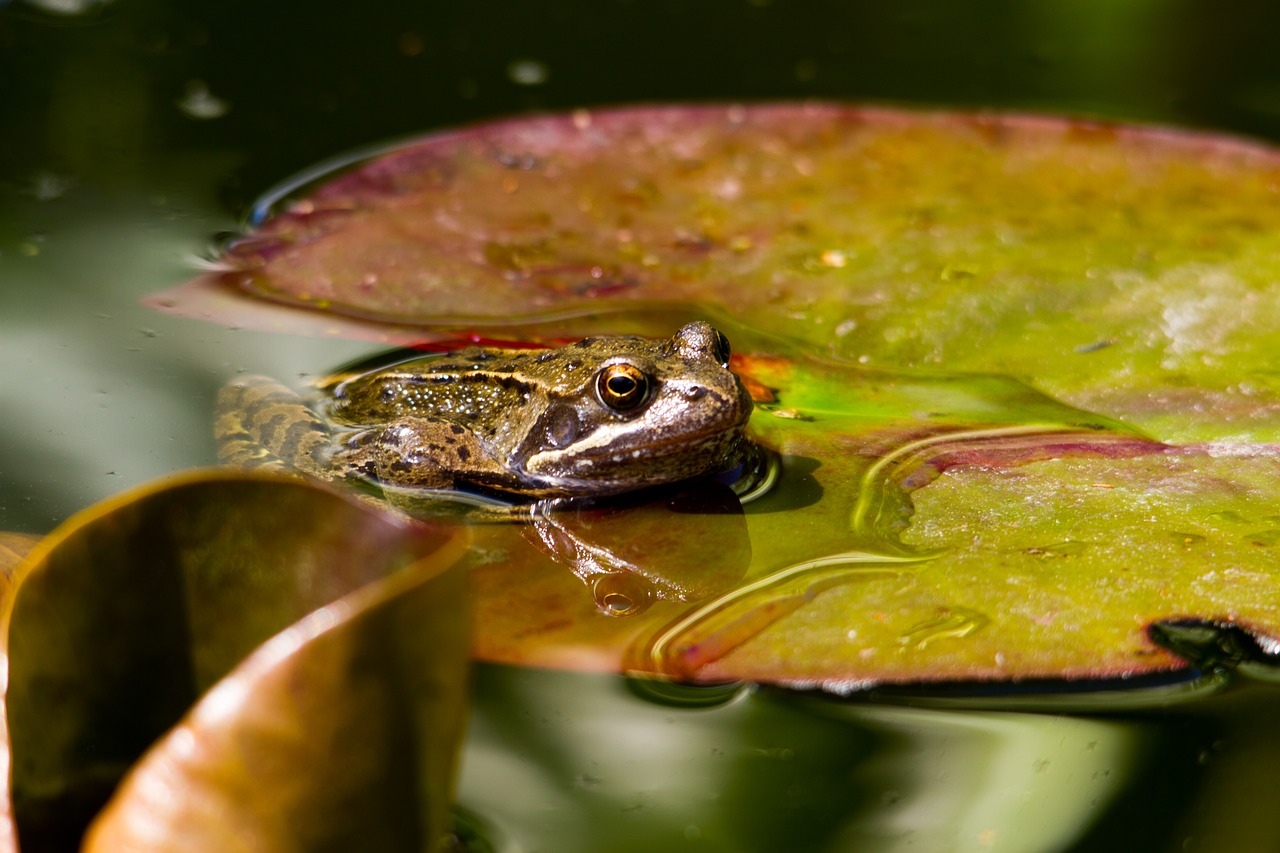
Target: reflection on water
column 683, row 545
column 572, row 762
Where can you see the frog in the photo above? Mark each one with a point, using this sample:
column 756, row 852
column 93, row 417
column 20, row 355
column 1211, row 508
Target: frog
column 598, row 417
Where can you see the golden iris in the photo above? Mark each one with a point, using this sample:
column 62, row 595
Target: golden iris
column 622, row 386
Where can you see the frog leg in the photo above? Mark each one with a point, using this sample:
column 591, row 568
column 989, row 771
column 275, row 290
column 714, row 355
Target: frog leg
column 261, row 423
column 420, row 452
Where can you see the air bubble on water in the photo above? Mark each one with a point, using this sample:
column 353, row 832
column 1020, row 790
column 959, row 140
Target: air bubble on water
column 528, row 72
column 199, row 103
column 620, row 594
column 68, row 8
column 47, row 186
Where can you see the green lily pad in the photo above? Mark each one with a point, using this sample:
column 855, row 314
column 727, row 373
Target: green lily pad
column 902, row 550
column 1024, row 557
column 205, row 656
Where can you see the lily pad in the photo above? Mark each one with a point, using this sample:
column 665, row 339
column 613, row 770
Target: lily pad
column 901, row 551
column 1032, row 560
column 1124, row 270
column 224, row 640
column 948, row 322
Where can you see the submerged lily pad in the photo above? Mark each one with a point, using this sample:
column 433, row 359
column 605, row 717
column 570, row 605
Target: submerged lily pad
column 131, row 611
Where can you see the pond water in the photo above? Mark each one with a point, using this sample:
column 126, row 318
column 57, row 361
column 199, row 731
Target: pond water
column 133, row 133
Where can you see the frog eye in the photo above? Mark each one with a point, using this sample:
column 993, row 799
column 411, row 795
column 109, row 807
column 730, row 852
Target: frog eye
column 622, row 387
column 721, row 351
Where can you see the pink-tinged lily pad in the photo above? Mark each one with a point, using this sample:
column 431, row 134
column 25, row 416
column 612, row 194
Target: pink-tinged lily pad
column 1123, row 270
column 221, row 643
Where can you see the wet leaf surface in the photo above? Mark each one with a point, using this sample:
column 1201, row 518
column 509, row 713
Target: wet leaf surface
column 270, row 621
column 1005, row 362
column 1126, row 271
column 898, row 551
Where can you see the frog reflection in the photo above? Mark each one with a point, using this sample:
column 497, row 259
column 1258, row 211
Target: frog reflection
column 682, row 544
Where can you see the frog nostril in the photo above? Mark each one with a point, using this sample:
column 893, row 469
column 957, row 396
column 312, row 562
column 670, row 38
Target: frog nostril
column 695, row 392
